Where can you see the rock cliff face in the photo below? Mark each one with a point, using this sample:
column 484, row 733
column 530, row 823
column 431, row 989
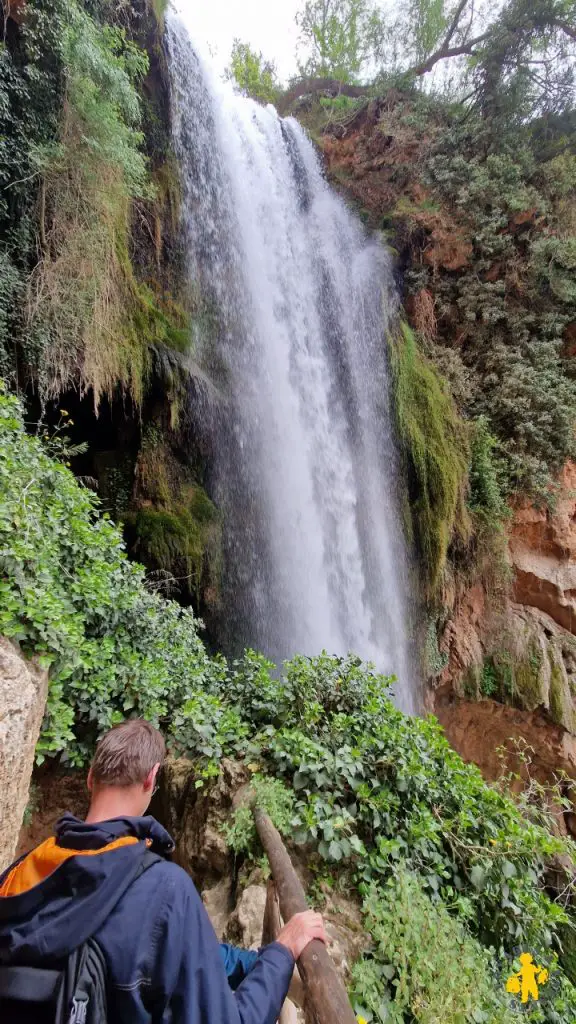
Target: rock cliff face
column 23, row 691
column 521, row 652
column 543, row 553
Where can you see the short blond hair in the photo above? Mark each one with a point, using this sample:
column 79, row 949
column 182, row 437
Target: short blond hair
column 126, row 754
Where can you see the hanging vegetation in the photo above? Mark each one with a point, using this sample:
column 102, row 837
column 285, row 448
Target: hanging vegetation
column 435, row 445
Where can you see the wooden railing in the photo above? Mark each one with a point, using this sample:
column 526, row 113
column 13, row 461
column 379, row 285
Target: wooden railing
column 325, row 998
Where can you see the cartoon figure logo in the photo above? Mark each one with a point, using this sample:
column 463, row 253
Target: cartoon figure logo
column 525, row 982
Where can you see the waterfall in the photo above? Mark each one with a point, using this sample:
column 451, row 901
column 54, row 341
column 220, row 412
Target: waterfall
column 294, row 299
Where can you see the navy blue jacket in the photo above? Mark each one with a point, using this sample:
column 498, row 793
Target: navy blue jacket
column 165, row 965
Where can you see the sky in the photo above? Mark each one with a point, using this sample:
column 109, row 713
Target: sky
column 268, row 25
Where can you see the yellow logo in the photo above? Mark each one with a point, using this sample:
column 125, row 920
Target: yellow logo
column 525, row 982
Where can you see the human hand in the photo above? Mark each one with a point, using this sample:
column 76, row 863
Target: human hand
column 300, row 930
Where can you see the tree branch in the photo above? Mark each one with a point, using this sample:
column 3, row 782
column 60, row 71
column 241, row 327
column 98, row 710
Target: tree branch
column 454, row 24
column 444, row 53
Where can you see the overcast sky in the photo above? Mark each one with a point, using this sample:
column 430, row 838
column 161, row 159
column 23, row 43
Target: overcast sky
column 268, row 25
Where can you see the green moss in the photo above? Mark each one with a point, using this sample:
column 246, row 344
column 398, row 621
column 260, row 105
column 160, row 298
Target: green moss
column 202, row 508
column 174, row 525
column 471, row 683
column 556, row 687
column 528, row 678
column 435, row 444
column 177, row 539
column 166, row 179
column 158, row 321
column 561, row 705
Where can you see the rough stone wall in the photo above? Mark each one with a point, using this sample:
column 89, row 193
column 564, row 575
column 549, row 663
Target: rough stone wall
column 539, row 620
column 23, row 692
column 534, row 631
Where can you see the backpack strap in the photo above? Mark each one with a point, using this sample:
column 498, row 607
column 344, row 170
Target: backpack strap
column 29, row 984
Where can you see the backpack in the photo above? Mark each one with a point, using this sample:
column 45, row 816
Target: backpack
column 73, row 991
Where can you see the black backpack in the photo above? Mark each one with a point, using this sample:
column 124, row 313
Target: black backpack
column 73, row 991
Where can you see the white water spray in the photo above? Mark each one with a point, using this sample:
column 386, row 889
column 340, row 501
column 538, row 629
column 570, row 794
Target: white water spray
column 294, row 304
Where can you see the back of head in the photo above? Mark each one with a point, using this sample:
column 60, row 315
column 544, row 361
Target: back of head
column 127, row 754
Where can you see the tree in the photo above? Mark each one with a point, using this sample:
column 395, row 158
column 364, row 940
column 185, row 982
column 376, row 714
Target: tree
column 338, row 38
column 522, row 61
column 254, row 75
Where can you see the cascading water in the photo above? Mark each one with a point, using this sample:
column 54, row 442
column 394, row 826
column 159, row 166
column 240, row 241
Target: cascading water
column 294, row 301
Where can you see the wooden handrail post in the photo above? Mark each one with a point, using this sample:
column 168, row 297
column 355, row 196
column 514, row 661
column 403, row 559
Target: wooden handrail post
column 272, row 921
column 325, row 994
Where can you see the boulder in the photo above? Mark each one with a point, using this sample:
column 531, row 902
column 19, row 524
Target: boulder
column 219, row 904
column 245, row 925
column 23, row 692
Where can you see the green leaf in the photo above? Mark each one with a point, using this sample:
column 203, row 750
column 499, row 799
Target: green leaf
column 477, row 876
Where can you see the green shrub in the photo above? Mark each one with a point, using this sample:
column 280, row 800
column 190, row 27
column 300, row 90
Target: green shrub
column 377, row 793
column 554, row 260
column 486, row 497
column 506, row 310
column 375, row 788
column 424, row 965
column 271, row 796
column 69, row 594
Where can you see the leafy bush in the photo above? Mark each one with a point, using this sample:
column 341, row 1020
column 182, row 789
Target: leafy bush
column 69, row 594
column 512, row 300
column 377, row 795
column 555, row 262
column 424, row 963
column 486, row 498
column 271, row 796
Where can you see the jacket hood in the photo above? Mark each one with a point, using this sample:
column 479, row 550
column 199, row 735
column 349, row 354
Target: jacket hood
column 75, row 834
column 56, row 897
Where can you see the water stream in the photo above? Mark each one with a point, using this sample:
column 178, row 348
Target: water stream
column 294, row 301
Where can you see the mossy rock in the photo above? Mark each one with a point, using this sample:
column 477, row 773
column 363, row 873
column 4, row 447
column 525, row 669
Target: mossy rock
column 530, row 677
column 560, row 695
column 173, row 525
column 528, row 669
column 182, row 540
